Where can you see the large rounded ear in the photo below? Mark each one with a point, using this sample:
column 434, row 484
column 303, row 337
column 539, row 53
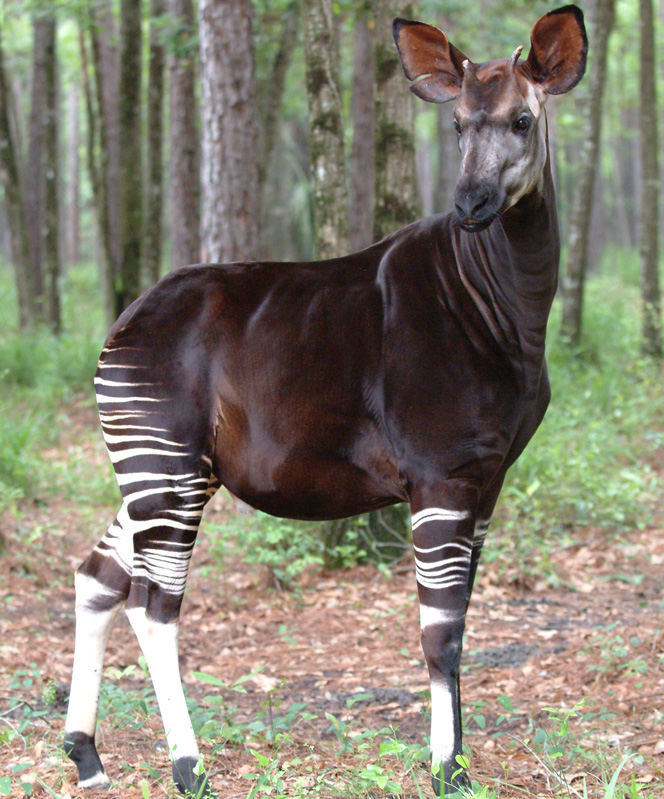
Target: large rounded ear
column 428, row 58
column 559, row 45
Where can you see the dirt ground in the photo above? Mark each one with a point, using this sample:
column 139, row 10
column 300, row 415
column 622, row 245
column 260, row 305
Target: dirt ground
column 598, row 636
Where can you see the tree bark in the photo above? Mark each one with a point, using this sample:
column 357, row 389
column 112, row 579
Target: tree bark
column 73, row 226
column 229, row 209
column 51, row 173
column 152, row 234
column 34, row 174
column 361, row 186
column 326, row 131
column 651, row 341
column 127, row 285
column 591, row 125
column 11, row 178
column 396, row 191
column 271, row 89
column 103, row 149
column 185, row 191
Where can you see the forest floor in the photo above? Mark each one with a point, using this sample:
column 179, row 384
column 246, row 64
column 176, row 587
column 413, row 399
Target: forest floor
column 339, row 659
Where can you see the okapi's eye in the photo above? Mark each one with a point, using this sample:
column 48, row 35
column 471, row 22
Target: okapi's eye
column 456, row 126
column 523, row 123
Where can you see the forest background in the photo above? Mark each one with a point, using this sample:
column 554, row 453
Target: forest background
column 137, row 137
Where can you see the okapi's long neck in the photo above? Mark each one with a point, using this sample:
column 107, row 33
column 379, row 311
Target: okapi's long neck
column 511, row 268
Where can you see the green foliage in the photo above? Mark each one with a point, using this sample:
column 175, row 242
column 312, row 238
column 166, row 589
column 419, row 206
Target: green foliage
column 588, row 462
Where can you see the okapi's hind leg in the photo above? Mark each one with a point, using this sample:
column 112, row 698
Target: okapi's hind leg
column 102, row 585
column 158, row 442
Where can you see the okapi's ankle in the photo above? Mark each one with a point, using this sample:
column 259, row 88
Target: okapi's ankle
column 80, row 748
column 190, row 783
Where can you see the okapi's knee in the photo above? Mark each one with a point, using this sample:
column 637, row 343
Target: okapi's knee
column 442, row 645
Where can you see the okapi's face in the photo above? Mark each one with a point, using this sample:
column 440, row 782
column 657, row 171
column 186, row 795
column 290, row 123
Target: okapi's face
column 499, row 112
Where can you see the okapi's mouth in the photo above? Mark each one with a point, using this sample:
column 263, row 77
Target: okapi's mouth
column 471, row 225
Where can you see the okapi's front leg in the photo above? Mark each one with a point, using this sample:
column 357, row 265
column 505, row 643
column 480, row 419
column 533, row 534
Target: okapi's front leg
column 443, row 530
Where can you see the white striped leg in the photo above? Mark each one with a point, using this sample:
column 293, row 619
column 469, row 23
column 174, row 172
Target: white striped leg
column 96, row 609
column 159, row 642
column 443, row 544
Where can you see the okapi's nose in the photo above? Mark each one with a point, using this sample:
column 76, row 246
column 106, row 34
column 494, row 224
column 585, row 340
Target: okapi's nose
column 473, row 204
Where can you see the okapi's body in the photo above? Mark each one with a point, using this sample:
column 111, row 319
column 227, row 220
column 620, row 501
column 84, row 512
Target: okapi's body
column 412, row 371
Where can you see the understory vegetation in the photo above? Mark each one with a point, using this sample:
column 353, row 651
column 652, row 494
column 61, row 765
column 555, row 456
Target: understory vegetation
column 595, row 462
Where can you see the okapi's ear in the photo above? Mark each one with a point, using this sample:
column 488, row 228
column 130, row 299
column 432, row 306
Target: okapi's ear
column 559, row 45
column 428, row 59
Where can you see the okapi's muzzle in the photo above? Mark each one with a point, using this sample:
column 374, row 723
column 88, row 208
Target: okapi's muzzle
column 477, row 203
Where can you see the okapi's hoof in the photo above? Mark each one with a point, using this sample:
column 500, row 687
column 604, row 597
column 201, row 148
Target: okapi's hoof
column 454, row 784
column 80, row 748
column 188, row 782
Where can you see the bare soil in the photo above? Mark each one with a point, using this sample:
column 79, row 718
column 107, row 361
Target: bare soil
column 598, row 635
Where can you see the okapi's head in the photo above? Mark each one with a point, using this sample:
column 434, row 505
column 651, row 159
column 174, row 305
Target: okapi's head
column 499, row 113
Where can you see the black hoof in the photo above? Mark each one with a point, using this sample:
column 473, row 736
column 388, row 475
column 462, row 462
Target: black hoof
column 188, row 782
column 80, row 748
column 451, row 782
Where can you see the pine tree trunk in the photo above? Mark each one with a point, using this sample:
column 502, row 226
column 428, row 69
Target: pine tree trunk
column 361, row 186
column 185, row 190
column 229, row 208
column 127, row 286
column 574, row 279
column 34, row 173
column 326, row 131
column 154, row 188
column 51, row 173
column 73, row 226
column 651, row 342
column 103, row 120
column 10, row 178
column 397, row 201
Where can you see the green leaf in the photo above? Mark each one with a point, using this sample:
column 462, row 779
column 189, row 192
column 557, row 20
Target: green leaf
column 6, row 786
column 209, row 678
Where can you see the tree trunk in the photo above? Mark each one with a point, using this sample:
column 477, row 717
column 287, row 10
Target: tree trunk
column 326, row 131
column 229, row 210
column 127, row 285
column 34, row 174
column 10, row 177
column 51, row 173
column 102, row 105
column 651, row 342
column 185, row 191
column 396, row 191
column 271, row 90
column 73, row 226
column 154, row 185
column 574, row 280
column 361, row 187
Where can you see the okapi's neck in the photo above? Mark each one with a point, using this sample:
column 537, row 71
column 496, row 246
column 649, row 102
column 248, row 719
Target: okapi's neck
column 511, row 269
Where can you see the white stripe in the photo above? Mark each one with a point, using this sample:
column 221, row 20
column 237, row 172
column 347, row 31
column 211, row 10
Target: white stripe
column 462, row 543
column 430, row 616
column 123, row 455
column 102, row 399
column 438, row 515
column 439, row 584
column 100, row 381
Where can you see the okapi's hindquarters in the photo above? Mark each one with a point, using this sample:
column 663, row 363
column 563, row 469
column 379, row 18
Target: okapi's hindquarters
column 142, row 560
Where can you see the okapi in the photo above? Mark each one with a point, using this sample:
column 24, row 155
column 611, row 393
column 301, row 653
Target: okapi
column 412, row 371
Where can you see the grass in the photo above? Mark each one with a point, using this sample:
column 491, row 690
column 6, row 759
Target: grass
column 587, row 466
